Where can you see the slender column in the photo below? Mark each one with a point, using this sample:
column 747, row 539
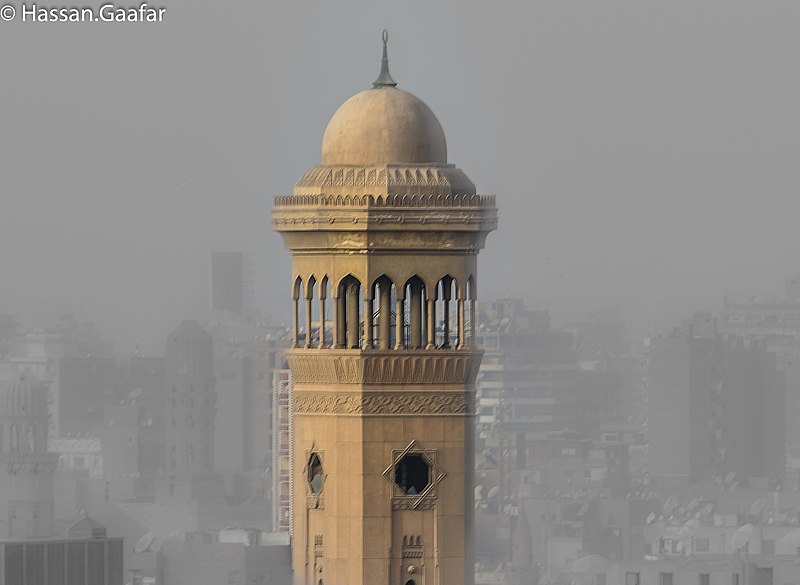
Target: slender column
column 339, row 334
column 321, row 323
column 308, row 322
column 473, row 321
column 353, row 322
column 431, row 324
column 424, row 303
column 368, row 323
column 446, row 314
column 399, row 321
column 295, row 322
column 462, row 333
column 415, row 319
column 385, row 316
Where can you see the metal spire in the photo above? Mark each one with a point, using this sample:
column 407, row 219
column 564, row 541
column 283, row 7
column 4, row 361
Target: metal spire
column 384, row 79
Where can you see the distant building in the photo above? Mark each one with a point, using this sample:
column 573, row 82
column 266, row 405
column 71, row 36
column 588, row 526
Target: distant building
column 85, row 385
column 230, row 278
column 147, row 379
column 245, row 355
column 83, row 555
column 281, row 451
column 774, row 322
column 189, row 417
column 234, row 555
column 716, row 405
column 79, row 454
column 26, row 466
column 529, row 375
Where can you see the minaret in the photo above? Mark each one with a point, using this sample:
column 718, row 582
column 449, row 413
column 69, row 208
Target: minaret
column 189, row 415
column 26, row 467
column 384, row 237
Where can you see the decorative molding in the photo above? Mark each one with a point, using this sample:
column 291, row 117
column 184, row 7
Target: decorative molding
column 470, row 200
column 431, row 176
column 388, row 218
column 411, row 503
column 328, row 366
column 384, row 403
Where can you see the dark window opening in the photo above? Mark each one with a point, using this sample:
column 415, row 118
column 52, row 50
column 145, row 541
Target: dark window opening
column 316, row 477
column 412, row 474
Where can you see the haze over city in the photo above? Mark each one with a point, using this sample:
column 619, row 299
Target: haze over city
column 383, row 293
column 643, row 153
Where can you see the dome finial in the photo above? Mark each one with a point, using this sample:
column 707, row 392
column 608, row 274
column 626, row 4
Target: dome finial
column 384, row 79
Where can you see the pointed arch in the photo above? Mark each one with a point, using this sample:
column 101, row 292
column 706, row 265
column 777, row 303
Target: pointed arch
column 472, row 300
column 347, row 326
column 309, row 298
column 415, row 310
column 383, row 289
column 297, row 292
column 323, row 299
column 447, row 288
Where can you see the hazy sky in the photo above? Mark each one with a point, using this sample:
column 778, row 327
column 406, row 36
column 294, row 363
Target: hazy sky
column 644, row 154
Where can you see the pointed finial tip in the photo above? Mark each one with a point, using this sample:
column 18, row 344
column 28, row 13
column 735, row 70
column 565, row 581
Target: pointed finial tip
column 384, row 78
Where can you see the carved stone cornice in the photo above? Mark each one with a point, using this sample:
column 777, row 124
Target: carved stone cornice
column 392, row 201
column 441, row 179
column 342, row 366
column 459, row 212
column 384, row 403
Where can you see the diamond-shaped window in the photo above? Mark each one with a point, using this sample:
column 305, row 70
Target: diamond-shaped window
column 412, row 474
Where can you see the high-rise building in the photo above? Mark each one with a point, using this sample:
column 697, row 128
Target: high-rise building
column 189, row 415
column 26, row 466
column 230, row 281
column 383, row 405
column 245, row 353
column 715, row 405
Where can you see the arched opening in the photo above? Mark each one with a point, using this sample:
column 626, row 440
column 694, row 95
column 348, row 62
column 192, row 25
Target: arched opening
column 347, row 322
column 446, row 330
column 315, row 474
column 415, row 309
column 323, row 313
column 383, row 317
column 471, row 311
column 309, row 314
column 410, row 582
column 297, row 291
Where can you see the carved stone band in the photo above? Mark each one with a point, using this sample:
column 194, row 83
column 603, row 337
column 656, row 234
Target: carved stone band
column 384, row 403
column 387, row 367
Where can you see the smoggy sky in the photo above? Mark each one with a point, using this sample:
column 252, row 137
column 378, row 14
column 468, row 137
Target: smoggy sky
column 644, row 154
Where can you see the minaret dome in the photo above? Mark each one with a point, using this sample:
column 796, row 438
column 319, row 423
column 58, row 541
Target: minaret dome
column 384, row 125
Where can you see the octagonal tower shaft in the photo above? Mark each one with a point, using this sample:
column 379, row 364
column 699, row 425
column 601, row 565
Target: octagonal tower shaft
column 384, row 237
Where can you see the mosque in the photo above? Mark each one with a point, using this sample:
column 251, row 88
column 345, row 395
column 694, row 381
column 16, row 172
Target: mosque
column 384, row 236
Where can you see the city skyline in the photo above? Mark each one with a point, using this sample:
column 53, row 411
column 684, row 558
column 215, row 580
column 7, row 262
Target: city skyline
column 656, row 175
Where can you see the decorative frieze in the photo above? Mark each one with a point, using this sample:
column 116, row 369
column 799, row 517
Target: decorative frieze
column 388, row 201
column 384, row 403
column 385, row 368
